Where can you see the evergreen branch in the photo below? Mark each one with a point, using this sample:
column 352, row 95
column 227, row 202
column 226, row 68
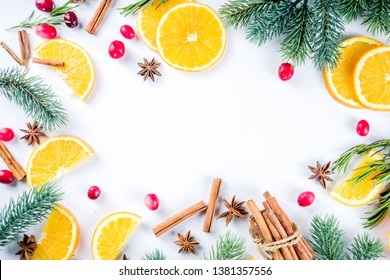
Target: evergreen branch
column 296, row 44
column 228, row 247
column 238, row 13
column 154, row 255
column 141, row 4
column 37, row 99
column 377, row 17
column 328, row 33
column 366, row 248
column 352, row 9
column 271, row 23
column 29, row 209
column 326, row 238
column 376, row 215
column 56, row 17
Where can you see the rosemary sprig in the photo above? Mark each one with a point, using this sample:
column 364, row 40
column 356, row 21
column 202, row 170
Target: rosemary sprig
column 376, row 215
column 56, row 17
column 378, row 170
column 142, row 4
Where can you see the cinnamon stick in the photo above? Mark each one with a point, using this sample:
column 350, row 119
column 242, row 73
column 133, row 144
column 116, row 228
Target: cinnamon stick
column 24, row 45
column 269, row 217
column 48, row 62
column 11, row 53
column 212, row 205
column 98, row 16
column 178, row 218
column 12, row 164
column 270, row 214
column 262, row 225
column 287, row 225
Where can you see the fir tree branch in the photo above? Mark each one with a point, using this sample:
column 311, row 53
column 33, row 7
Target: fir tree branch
column 154, row 255
column 37, row 99
column 328, row 33
column 377, row 17
column 326, row 238
column 228, row 247
column 365, row 247
column 352, row 9
column 141, row 4
column 238, row 13
column 29, row 209
column 271, row 23
column 296, row 44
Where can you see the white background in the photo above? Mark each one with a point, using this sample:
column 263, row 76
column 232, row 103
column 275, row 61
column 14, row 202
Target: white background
column 237, row 121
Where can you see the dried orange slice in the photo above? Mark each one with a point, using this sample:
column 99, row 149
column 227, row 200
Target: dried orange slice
column 54, row 157
column 149, row 18
column 78, row 72
column 191, row 37
column 339, row 81
column 372, row 79
column 111, row 234
column 60, row 236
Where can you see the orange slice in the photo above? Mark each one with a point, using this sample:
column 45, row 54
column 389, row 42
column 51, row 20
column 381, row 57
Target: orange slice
column 191, row 37
column 339, row 81
column 78, row 72
column 111, row 235
column 60, row 236
column 372, row 79
column 149, row 18
column 54, row 157
column 365, row 191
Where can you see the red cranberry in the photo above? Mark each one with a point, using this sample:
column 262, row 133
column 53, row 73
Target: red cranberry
column 45, row 5
column 94, row 192
column 362, row 128
column 71, row 19
column 151, row 201
column 286, row 71
column 116, row 49
column 127, row 31
column 6, row 177
column 46, row 31
column 305, row 199
column 6, row 134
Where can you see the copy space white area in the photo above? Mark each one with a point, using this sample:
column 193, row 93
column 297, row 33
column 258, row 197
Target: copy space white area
column 237, row 121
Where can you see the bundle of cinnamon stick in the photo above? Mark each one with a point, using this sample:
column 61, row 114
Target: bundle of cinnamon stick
column 275, row 235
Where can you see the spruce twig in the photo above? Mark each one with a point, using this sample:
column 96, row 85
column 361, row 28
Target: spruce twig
column 365, row 247
column 228, row 247
column 376, row 17
column 27, row 210
column 154, row 255
column 36, row 98
column 326, row 238
column 352, row 9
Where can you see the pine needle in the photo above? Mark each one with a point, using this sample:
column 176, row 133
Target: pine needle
column 326, row 238
column 27, row 210
column 36, row 98
column 328, row 33
column 154, row 255
column 228, row 247
column 365, row 247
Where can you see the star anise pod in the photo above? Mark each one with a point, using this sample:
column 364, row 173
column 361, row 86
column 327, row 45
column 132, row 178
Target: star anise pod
column 234, row 210
column 186, row 242
column 321, row 172
column 149, row 69
column 28, row 246
column 33, row 133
